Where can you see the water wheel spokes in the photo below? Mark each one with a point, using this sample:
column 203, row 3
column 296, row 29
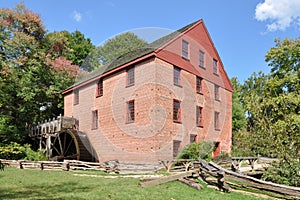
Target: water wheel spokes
column 65, row 146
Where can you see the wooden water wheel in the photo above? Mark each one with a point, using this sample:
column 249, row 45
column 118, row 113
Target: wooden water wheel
column 65, row 146
column 72, row 145
column 60, row 139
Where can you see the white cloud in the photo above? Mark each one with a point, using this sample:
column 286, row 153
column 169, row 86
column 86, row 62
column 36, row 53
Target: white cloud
column 279, row 14
column 77, row 16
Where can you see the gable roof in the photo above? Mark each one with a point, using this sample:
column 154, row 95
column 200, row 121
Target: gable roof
column 133, row 56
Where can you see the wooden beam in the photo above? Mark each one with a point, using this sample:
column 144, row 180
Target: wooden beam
column 167, row 179
column 262, row 185
column 191, row 183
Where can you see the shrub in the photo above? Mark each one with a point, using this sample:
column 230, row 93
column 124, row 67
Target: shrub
column 15, row 151
column 198, row 150
column 284, row 172
column 224, row 156
column 34, row 155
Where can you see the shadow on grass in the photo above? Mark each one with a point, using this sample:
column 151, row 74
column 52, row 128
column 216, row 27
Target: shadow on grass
column 56, row 191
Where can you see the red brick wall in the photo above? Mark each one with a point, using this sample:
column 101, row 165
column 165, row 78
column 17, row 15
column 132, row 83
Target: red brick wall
column 68, row 105
column 150, row 137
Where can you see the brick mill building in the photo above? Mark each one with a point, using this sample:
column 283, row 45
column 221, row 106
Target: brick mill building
column 147, row 105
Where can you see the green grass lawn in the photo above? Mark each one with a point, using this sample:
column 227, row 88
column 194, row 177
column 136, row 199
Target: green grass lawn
column 37, row 184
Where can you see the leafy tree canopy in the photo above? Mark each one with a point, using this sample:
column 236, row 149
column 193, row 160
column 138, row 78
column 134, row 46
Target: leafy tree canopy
column 31, row 76
column 111, row 50
column 239, row 122
column 72, row 46
column 118, row 46
column 36, row 66
column 272, row 106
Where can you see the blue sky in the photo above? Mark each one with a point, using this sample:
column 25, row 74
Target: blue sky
column 242, row 30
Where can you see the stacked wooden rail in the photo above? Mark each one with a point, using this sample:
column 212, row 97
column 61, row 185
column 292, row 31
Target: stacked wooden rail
column 112, row 166
column 224, row 179
column 244, row 181
column 65, row 165
column 178, row 165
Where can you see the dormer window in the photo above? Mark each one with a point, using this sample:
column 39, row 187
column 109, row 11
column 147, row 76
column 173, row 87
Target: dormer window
column 185, row 49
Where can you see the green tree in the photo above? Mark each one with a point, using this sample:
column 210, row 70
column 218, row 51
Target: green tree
column 21, row 32
column 239, row 121
column 111, row 50
column 72, row 46
column 283, row 107
column 118, row 46
column 30, row 81
column 273, row 109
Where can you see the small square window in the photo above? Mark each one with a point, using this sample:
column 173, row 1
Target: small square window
column 199, row 116
column 130, row 77
column 217, row 92
column 201, row 59
column 100, row 88
column 176, row 110
column 185, row 49
column 215, row 66
column 76, row 97
column 95, row 119
column 217, row 121
column 130, row 111
column 199, row 84
column 177, row 79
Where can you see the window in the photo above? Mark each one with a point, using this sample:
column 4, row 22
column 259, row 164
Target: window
column 130, row 76
column 176, row 111
column 217, row 149
column 76, row 97
column 95, row 119
column 177, row 79
column 185, row 49
column 199, row 116
column 216, row 120
column 217, row 95
column 193, row 138
column 130, row 111
column 77, row 124
column 100, row 88
column 201, row 59
column 199, row 85
column 215, row 66
column 176, row 146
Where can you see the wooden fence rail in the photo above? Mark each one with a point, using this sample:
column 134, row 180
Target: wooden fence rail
column 54, row 165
